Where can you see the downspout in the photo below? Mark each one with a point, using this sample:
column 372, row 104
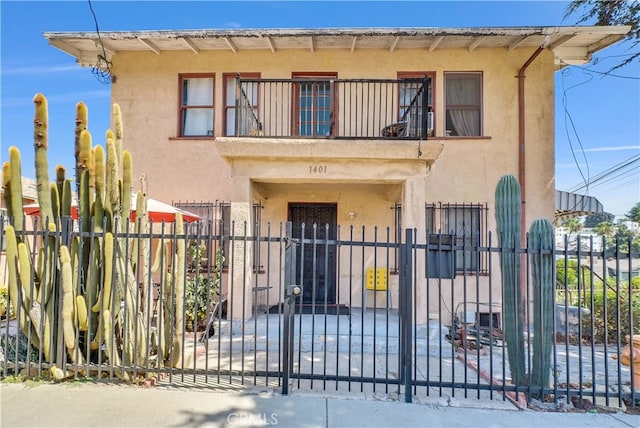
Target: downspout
column 521, row 136
column 522, row 167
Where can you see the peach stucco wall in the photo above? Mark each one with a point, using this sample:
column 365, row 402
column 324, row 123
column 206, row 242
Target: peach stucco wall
column 465, row 171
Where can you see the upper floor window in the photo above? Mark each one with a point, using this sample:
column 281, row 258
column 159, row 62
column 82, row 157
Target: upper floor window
column 196, row 105
column 409, row 92
column 247, row 97
column 314, row 104
column 463, row 104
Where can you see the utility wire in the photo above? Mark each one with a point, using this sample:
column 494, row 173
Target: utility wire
column 607, row 174
column 102, row 69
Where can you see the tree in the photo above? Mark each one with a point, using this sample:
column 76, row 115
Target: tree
column 606, row 228
column 625, row 240
column 594, row 219
column 634, row 213
column 611, row 12
column 573, row 225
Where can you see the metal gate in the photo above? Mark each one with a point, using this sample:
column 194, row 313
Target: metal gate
column 400, row 322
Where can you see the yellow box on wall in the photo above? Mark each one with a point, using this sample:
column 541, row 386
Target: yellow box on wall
column 377, row 278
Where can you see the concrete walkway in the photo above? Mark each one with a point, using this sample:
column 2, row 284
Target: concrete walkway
column 109, row 405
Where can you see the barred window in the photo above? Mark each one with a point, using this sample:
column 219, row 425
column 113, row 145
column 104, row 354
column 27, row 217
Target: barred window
column 467, row 223
column 215, row 229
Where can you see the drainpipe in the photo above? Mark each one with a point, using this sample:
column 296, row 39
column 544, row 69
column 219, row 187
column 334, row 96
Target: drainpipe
column 522, row 165
column 521, row 136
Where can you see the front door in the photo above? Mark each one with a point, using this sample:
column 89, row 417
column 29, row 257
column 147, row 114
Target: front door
column 316, row 269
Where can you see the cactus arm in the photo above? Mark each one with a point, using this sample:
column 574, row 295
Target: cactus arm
column 40, row 134
column 104, row 301
column 119, row 134
column 68, row 299
column 14, row 286
column 98, row 155
column 24, row 262
column 112, row 200
column 82, row 122
column 60, row 178
column 508, row 215
column 55, row 203
column 179, row 293
column 65, row 205
column 541, row 237
column 14, row 209
column 126, row 185
column 6, row 186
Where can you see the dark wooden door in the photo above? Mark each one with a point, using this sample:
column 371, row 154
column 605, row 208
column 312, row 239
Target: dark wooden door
column 316, row 269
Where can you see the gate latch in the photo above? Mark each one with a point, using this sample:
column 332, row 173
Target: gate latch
column 292, row 291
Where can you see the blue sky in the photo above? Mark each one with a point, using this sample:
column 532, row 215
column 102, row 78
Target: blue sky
column 597, row 116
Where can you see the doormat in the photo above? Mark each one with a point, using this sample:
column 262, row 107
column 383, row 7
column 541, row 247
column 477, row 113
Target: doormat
column 318, row 309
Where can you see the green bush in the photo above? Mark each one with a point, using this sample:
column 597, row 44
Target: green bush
column 621, row 308
column 202, row 291
column 4, row 303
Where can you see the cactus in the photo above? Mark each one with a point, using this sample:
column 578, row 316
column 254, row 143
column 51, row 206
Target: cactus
column 541, row 238
column 508, row 215
column 13, row 186
column 41, row 142
column 96, row 275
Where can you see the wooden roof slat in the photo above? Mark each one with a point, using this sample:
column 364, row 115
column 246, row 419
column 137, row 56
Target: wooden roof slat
column 190, row 44
column 150, row 45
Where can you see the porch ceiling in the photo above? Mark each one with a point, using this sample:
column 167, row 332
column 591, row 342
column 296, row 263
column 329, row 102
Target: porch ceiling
column 571, row 45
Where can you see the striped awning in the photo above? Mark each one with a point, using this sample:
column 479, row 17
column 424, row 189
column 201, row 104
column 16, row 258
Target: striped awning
column 573, row 204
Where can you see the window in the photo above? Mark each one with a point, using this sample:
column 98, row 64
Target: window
column 409, row 98
column 463, row 104
column 248, row 97
column 216, row 228
column 196, row 105
column 467, row 222
column 314, row 105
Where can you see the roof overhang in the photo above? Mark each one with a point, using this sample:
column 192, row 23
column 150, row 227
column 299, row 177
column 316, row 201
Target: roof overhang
column 570, row 45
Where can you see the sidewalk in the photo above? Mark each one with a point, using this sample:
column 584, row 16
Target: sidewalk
column 108, row 405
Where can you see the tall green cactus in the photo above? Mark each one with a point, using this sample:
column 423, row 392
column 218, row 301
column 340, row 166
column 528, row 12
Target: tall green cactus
column 540, row 247
column 508, row 216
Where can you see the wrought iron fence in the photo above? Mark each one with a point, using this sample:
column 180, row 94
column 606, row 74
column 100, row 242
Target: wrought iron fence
column 333, row 108
column 360, row 310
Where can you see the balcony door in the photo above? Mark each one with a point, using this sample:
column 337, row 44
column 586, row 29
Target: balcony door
column 314, row 104
column 316, row 265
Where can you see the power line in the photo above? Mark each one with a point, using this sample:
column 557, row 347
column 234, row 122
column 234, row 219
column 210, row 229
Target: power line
column 102, row 69
column 607, row 174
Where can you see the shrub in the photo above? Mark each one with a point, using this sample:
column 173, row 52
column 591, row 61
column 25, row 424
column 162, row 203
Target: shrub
column 622, row 313
column 202, row 292
column 4, row 303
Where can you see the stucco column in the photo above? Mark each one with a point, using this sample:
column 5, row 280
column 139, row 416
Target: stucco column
column 241, row 251
column 413, row 216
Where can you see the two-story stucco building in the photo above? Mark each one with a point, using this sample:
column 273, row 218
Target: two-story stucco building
column 394, row 127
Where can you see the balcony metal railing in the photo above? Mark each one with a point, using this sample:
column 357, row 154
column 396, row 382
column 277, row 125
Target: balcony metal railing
column 333, row 108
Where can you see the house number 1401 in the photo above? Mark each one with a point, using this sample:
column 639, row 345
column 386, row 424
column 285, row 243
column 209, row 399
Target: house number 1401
column 317, row 169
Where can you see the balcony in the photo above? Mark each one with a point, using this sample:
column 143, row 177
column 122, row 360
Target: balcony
column 331, row 109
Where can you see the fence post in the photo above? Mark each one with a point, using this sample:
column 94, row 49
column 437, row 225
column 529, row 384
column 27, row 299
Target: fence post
column 406, row 315
column 291, row 292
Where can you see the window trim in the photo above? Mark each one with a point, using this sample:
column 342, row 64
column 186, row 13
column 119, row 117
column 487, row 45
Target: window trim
column 181, row 107
column 225, row 106
column 479, row 106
